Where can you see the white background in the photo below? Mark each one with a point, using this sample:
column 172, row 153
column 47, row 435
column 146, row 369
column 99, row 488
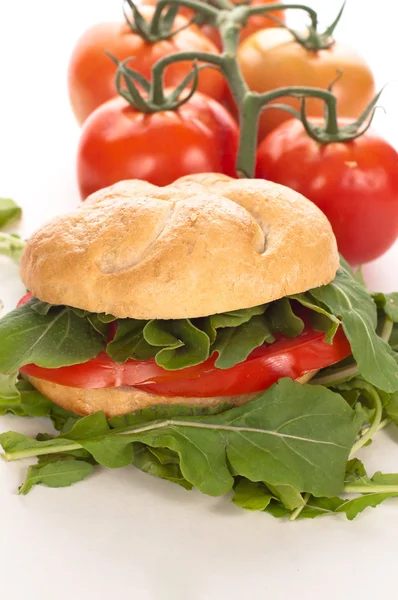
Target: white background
column 122, row 533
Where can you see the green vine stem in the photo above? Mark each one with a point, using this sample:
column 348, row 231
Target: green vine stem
column 229, row 19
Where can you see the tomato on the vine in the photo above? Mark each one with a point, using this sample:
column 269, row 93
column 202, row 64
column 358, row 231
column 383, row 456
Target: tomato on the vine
column 91, row 74
column 119, row 142
column 272, row 59
column 354, row 183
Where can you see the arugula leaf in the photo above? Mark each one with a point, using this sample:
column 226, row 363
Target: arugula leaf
column 370, row 493
column 87, row 427
column 61, row 473
column 33, row 403
column 166, row 456
column 16, row 445
column 11, row 245
column 42, row 308
column 347, row 299
column 105, row 318
column 79, row 312
column 183, row 344
column 289, row 497
column 283, row 320
column 235, row 318
column 157, row 413
column 393, row 341
column 369, row 497
column 234, row 344
column 9, row 211
column 321, row 319
column 10, row 399
column 355, row 471
column 391, row 408
column 112, row 452
column 98, row 325
column 59, row 338
column 251, row 495
column 129, row 342
column 91, row 432
column 291, row 435
column 59, row 417
column 21, row 398
column 147, row 460
column 388, row 303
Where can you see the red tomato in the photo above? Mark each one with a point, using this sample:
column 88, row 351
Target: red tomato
column 255, row 23
column 272, row 59
column 25, row 299
column 118, row 142
column 91, row 74
column 355, row 184
column 285, row 358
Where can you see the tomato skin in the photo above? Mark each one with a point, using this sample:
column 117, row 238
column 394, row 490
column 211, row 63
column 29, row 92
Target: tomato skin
column 271, row 59
column 91, row 74
column 118, row 142
column 25, row 299
column 355, row 184
column 285, row 358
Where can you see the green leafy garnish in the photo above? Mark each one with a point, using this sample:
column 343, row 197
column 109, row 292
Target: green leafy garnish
column 11, row 245
column 283, row 320
column 159, row 462
column 347, row 299
column 9, row 211
column 234, row 344
column 291, row 435
column 183, row 345
column 61, row 473
column 51, row 340
column 21, row 398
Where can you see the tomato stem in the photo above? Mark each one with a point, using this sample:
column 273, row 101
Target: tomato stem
column 229, row 19
column 157, row 94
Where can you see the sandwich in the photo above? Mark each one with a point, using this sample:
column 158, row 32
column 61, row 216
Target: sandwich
column 151, row 311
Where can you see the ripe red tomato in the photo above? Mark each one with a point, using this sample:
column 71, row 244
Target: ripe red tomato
column 91, row 74
column 355, row 184
column 119, row 142
column 254, row 23
column 271, row 59
column 265, row 366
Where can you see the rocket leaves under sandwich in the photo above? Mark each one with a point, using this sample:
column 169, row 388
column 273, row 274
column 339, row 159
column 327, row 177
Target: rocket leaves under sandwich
column 174, row 328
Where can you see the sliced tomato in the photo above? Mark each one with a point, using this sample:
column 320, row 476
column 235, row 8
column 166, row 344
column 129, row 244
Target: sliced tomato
column 285, row 358
column 25, row 299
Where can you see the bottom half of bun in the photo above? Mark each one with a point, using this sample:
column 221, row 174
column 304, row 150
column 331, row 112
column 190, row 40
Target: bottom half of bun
column 119, row 401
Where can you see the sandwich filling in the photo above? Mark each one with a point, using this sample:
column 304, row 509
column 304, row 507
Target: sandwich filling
column 238, row 352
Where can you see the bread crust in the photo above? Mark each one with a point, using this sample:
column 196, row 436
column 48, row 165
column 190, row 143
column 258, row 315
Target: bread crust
column 205, row 245
column 120, row 401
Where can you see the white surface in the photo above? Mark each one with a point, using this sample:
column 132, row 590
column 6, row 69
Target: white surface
column 122, row 533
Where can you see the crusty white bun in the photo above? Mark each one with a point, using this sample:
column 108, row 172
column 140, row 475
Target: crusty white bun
column 206, row 244
column 120, row 401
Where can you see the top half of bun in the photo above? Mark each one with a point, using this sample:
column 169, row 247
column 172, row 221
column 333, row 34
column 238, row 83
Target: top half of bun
column 206, row 244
